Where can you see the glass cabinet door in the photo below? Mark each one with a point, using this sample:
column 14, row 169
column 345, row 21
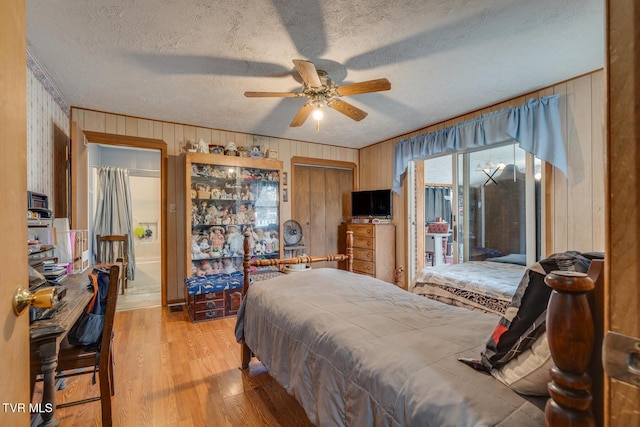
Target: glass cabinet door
column 226, row 202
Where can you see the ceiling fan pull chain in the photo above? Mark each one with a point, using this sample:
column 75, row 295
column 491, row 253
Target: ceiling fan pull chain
column 317, row 125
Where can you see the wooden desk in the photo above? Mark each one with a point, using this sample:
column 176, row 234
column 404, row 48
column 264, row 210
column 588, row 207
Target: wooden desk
column 46, row 336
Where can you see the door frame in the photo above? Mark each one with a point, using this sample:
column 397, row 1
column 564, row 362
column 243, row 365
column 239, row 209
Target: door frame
column 416, row 217
column 153, row 144
column 416, row 203
column 622, row 204
column 319, row 163
column 323, row 163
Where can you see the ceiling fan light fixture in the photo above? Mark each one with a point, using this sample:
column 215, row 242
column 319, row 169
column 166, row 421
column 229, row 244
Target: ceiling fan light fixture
column 321, row 90
column 318, row 115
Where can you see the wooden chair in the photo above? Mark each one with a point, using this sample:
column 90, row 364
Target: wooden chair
column 73, row 361
column 114, row 249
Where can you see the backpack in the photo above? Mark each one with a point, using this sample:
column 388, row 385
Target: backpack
column 87, row 331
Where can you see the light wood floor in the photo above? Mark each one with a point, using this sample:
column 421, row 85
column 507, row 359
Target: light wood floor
column 171, row 372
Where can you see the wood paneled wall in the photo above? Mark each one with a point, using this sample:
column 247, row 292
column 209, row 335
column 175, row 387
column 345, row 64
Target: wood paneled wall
column 577, row 202
column 376, row 172
column 175, row 135
column 574, row 205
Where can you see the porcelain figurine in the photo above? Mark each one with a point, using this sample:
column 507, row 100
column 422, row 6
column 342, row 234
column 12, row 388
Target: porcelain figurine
column 202, row 146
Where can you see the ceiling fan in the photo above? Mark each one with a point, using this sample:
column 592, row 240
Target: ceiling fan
column 320, row 90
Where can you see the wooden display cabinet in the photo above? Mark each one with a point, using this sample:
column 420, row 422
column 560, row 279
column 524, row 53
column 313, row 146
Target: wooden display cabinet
column 226, row 197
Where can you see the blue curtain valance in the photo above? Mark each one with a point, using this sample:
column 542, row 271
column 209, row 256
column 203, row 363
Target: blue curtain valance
column 535, row 125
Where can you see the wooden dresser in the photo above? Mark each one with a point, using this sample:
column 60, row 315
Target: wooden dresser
column 374, row 250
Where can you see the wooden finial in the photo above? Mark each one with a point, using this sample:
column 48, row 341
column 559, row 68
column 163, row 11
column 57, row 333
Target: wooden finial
column 570, row 332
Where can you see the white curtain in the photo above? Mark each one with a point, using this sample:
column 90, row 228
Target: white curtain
column 113, row 209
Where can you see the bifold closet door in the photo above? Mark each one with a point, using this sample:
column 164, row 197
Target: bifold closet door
column 320, row 203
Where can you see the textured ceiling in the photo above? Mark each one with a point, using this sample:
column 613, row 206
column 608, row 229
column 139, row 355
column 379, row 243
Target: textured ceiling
column 190, row 61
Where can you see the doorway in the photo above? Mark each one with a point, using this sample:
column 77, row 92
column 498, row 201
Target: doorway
column 438, row 212
column 495, row 204
column 143, row 168
column 321, row 195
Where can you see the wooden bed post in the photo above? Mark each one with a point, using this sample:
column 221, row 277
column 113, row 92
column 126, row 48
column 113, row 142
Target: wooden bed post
column 349, row 250
column 245, row 352
column 246, row 259
column 570, row 331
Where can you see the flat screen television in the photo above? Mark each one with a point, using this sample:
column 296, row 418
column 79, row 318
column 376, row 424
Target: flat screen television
column 373, row 203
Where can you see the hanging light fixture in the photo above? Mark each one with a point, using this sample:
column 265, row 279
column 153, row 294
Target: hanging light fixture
column 318, row 114
column 490, row 168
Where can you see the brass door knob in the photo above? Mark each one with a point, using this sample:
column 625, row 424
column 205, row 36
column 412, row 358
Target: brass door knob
column 42, row 298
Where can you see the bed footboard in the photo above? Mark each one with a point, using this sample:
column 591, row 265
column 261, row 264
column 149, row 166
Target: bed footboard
column 247, row 263
column 570, row 330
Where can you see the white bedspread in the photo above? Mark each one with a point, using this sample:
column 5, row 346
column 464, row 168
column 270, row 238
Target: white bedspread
column 356, row 351
column 483, row 285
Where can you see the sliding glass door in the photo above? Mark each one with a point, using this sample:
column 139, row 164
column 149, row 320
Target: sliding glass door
column 495, row 203
column 498, row 204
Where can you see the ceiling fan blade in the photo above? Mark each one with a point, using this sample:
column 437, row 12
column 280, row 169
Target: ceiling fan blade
column 308, row 73
column 302, row 115
column 347, row 109
column 272, row 94
column 364, row 87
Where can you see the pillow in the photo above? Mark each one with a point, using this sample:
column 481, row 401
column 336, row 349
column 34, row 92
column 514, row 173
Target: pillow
column 480, row 254
column 528, row 373
column 519, row 259
column 524, row 319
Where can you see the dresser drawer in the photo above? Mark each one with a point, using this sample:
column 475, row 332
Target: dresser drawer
column 363, row 254
column 204, row 305
column 363, row 230
column 213, row 305
column 234, row 298
column 363, row 242
column 209, row 296
column 374, row 247
column 209, row 314
column 366, row 267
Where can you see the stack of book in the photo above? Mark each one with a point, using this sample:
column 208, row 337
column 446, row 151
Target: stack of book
column 54, row 272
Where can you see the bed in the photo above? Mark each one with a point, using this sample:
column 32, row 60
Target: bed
column 476, row 285
column 354, row 350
